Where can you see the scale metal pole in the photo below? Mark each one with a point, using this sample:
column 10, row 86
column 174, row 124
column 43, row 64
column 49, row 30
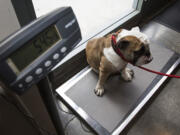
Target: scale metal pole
column 51, row 104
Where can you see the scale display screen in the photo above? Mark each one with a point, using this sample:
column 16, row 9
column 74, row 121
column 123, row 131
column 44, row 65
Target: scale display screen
column 25, row 55
column 34, row 51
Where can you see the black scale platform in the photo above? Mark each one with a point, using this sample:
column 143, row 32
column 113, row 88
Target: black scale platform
column 120, row 97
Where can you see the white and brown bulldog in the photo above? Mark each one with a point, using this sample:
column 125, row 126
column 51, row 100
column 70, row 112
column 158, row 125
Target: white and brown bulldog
column 103, row 58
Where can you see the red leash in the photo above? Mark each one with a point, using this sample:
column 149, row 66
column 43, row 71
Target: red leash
column 117, row 50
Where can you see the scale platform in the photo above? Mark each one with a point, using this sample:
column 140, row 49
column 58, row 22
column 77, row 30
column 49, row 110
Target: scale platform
column 112, row 112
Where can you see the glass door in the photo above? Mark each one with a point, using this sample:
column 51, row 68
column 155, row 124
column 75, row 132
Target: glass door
column 93, row 16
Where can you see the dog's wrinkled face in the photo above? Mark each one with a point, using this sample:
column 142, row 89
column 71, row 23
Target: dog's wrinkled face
column 135, row 46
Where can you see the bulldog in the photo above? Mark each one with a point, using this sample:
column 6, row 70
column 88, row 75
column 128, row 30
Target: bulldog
column 104, row 59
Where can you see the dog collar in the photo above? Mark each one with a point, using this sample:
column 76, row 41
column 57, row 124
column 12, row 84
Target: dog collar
column 117, row 50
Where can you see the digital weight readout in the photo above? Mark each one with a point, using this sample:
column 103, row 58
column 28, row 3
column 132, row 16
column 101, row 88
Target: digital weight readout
column 29, row 52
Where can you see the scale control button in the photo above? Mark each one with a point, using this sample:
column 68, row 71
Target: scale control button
column 28, row 79
column 38, row 71
column 63, row 49
column 47, row 63
column 55, row 56
column 20, row 85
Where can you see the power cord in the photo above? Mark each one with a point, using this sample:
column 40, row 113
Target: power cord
column 67, row 124
column 84, row 128
column 60, row 108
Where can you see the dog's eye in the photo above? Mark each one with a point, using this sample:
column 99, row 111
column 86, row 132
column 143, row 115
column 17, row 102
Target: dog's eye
column 141, row 51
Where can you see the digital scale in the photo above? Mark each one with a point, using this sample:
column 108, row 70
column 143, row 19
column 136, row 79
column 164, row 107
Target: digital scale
column 29, row 54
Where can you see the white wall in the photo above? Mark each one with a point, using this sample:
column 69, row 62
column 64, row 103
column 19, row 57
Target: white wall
column 8, row 19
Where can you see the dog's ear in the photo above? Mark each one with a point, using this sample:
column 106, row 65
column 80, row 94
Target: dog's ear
column 136, row 29
column 123, row 44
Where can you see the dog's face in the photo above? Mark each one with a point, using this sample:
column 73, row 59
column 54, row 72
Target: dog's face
column 135, row 46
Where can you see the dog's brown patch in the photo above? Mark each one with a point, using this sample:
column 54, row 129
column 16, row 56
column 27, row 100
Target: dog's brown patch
column 134, row 43
column 94, row 50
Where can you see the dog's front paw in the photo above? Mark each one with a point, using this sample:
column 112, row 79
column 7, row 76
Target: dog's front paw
column 99, row 91
column 130, row 71
column 127, row 74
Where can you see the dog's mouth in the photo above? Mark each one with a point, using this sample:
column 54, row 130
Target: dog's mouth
column 143, row 60
column 148, row 60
